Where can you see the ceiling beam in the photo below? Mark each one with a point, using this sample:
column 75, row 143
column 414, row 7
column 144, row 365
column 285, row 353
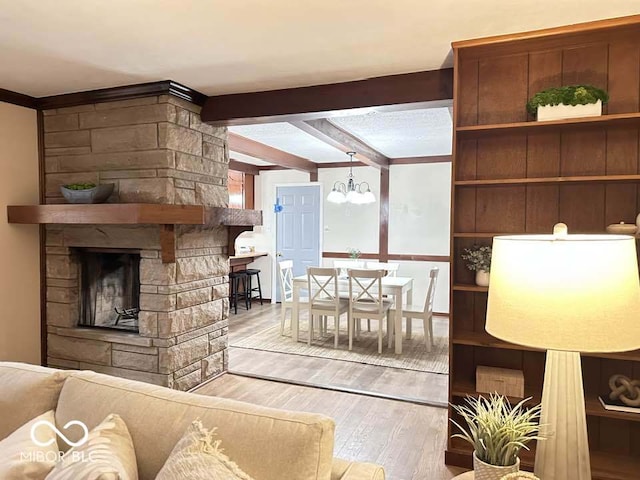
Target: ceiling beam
column 322, row 101
column 240, row 144
column 243, row 167
column 415, row 160
column 329, row 133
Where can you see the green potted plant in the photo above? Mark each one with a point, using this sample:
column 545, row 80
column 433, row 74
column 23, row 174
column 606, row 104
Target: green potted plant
column 497, row 432
column 354, row 253
column 86, row 192
column 478, row 258
column 571, row 101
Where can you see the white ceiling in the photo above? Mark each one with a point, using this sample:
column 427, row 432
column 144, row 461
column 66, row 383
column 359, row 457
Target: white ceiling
column 216, row 46
column 241, row 157
column 411, row 133
column 285, row 136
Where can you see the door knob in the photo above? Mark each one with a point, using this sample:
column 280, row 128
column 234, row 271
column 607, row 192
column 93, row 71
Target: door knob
column 278, row 254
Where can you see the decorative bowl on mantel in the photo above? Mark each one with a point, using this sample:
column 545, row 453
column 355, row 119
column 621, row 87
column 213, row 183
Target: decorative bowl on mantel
column 87, row 192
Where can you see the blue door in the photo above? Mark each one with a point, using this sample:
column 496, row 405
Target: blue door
column 298, row 228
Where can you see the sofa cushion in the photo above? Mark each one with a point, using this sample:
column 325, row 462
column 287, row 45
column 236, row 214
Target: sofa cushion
column 267, row 444
column 26, row 392
column 23, row 459
column 106, row 454
column 198, row 456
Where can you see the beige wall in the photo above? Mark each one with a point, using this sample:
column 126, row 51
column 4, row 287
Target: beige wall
column 19, row 244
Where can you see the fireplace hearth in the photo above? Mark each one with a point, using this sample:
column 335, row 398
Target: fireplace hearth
column 109, row 288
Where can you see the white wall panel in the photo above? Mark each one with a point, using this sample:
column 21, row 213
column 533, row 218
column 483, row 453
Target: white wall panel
column 419, row 208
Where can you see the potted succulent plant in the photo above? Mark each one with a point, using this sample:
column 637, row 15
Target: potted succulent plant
column 86, row 192
column 571, row 101
column 354, row 253
column 497, row 431
column 478, row 259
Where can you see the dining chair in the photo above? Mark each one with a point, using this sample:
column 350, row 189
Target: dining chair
column 390, row 268
column 425, row 312
column 324, row 299
column 286, row 291
column 344, row 265
column 366, row 301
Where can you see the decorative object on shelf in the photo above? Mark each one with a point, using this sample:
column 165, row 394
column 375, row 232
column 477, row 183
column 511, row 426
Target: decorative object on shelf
column 622, row 228
column 571, row 101
column 478, row 260
column 354, row 253
column 86, row 192
column 520, row 476
column 352, row 192
column 497, row 431
column 544, row 295
column 502, row 381
column 625, row 390
column 638, row 221
column 277, row 207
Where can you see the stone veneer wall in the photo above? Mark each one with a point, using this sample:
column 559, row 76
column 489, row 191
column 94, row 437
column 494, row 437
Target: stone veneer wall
column 155, row 150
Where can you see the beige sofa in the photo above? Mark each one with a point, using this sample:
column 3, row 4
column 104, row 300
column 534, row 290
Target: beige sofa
column 268, row 444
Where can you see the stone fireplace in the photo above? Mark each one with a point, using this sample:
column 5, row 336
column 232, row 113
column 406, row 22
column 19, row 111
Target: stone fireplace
column 162, row 322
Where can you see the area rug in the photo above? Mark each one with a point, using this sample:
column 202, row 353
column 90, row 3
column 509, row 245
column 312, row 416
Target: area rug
column 365, row 350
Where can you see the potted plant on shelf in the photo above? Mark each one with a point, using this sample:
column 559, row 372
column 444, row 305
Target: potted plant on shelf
column 86, row 192
column 478, row 259
column 571, row 101
column 497, row 431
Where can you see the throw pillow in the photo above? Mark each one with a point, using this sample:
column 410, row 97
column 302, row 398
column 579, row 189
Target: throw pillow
column 21, row 458
column 197, row 456
column 107, row 454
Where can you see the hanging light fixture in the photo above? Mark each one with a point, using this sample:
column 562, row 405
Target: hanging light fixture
column 352, row 192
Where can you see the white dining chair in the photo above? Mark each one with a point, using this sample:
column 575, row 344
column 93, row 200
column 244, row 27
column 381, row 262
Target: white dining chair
column 286, row 291
column 390, row 268
column 344, row 265
column 366, row 301
column 425, row 312
column 324, row 299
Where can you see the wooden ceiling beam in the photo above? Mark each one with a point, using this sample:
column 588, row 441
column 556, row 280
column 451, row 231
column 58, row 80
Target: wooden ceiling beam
column 322, row 101
column 240, row 144
column 243, row 167
column 329, row 133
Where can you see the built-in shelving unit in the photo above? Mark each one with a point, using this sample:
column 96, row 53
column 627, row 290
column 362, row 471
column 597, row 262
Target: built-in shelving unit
column 513, row 175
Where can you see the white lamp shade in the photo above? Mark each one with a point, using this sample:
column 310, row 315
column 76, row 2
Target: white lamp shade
column 368, row 197
column 354, row 197
column 577, row 293
column 336, row 196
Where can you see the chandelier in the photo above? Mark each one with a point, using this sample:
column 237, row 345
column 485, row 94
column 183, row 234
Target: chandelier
column 352, row 192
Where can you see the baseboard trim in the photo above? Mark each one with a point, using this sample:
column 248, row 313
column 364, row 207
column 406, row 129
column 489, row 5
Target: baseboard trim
column 355, row 391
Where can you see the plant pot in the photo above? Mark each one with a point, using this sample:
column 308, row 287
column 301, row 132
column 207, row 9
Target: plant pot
column 486, row 471
column 561, row 111
column 97, row 194
column 482, row 278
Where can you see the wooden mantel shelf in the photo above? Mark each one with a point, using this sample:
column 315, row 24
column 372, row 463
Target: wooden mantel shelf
column 132, row 214
column 166, row 216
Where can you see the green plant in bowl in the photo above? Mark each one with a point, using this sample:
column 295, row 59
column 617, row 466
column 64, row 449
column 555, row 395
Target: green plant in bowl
column 568, row 95
column 80, row 186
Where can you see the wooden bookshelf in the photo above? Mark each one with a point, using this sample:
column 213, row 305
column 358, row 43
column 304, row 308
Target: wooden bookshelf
column 514, row 175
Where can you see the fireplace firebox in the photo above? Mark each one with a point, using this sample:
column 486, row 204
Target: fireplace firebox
column 109, row 288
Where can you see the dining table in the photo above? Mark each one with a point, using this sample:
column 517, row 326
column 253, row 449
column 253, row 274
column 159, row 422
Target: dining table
column 396, row 287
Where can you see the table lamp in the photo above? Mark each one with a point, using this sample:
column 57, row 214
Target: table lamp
column 565, row 294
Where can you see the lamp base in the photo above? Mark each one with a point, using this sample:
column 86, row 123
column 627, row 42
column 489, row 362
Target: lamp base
column 565, row 452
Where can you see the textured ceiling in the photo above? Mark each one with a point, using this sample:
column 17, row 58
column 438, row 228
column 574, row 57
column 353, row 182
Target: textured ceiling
column 285, row 136
column 241, row 157
column 412, row 133
column 61, row 46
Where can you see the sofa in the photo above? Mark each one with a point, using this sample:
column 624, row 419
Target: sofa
column 267, row 443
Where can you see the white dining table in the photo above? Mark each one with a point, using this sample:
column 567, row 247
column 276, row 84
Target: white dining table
column 394, row 286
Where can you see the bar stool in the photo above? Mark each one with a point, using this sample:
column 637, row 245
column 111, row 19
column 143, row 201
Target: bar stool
column 251, row 272
column 234, row 292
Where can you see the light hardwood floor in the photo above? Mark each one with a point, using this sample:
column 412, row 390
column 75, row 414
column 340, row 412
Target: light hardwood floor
column 408, row 440
column 416, row 386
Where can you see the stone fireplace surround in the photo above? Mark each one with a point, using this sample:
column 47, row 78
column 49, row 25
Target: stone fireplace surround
column 155, row 150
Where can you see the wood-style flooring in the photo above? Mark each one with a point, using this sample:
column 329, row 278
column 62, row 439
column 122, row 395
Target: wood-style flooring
column 408, row 440
column 411, row 385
